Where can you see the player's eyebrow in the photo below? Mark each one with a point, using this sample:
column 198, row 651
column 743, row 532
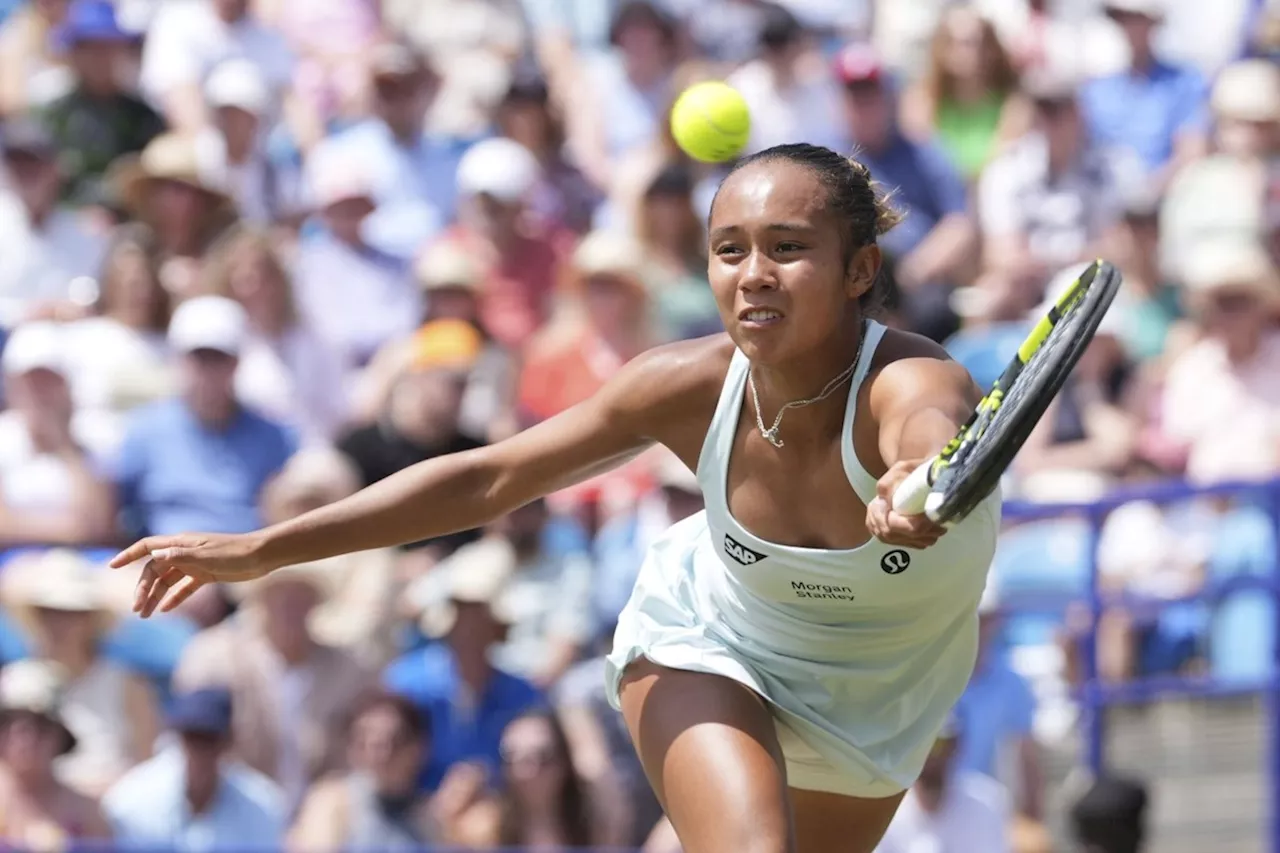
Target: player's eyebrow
column 786, row 227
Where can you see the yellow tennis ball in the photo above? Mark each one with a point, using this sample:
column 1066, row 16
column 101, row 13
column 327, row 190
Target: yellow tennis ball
column 710, row 122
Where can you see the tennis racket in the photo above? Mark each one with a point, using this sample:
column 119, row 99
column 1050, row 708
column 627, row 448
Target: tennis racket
column 968, row 469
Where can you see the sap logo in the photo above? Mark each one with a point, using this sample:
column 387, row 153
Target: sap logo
column 895, row 562
column 741, row 553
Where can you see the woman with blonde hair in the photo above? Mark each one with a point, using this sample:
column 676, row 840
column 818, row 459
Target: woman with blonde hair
column 286, row 371
column 967, row 96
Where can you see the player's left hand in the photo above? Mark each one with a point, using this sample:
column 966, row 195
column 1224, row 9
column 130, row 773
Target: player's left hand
column 909, row 531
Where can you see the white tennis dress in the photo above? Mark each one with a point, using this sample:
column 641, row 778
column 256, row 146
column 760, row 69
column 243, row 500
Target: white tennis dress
column 861, row 653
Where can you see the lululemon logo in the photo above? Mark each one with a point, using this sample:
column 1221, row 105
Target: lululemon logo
column 740, row 552
column 895, row 562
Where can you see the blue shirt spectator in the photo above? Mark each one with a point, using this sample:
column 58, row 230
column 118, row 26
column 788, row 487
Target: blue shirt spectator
column 414, row 171
column 463, row 728
column 186, row 798
column 997, row 708
column 925, row 187
column 1149, row 112
column 1142, row 112
column 199, row 461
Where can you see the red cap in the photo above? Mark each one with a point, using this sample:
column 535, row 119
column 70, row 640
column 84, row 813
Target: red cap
column 858, row 63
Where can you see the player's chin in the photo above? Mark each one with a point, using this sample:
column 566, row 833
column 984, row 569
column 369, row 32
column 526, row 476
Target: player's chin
column 764, row 343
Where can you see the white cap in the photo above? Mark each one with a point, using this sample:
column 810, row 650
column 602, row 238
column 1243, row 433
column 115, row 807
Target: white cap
column 208, row 322
column 34, row 346
column 336, row 174
column 237, row 83
column 1153, row 9
column 498, row 167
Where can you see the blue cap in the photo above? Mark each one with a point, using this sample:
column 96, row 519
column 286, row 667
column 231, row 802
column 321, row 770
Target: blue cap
column 206, row 711
column 90, row 20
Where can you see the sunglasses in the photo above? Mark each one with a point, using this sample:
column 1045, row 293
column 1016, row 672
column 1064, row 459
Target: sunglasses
column 538, row 757
column 1233, row 302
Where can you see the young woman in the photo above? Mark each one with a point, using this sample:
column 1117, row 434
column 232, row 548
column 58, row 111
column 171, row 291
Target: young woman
column 788, row 655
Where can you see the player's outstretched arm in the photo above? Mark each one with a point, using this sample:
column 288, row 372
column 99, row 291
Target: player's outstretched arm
column 436, row 497
column 919, row 402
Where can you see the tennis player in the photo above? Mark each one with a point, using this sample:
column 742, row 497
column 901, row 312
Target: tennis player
column 789, row 655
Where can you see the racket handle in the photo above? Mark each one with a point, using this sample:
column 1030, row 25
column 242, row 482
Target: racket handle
column 912, row 494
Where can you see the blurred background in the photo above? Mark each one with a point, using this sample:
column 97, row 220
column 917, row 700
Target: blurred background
column 257, row 254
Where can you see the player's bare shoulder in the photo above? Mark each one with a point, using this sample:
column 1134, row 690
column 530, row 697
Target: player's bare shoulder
column 907, row 364
column 670, row 392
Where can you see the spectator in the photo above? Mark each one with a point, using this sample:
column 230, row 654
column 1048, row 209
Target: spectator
column 239, row 103
column 187, row 39
column 40, row 812
column 421, row 418
column 1221, row 399
column 544, row 806
column 468, row 700
column 332, row 43
column 790, row 90
column 51, row 488
column 550, row 590
column 117, row 357
column 937, row 239
column 44, row 248
column 1225, row 195
column 948, row 809
column 997, row 711
column 563, row 195
column 286, row 371
column 1111, row 817
column 97, row 121
column 521, row 257
column 377, row 805
column 450, row 280
column 30, row 66
column 416, row 167
column 177, row 188
column 630, row 85
column 606, row 324
column 674, row 251
column 358, row 615
column 1149, row 319
column 291, row 694
column 1151, row 113
column 191, row 797
column 1047, row 202
column 355, row 296
column 60, row 601
column 968, row 97
column 199, row 461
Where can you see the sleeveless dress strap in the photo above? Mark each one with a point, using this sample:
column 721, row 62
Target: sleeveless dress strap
column 864, row 485
column 718, row 444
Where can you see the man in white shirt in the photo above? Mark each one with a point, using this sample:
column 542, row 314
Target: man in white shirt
column 950, row 811
column 188, row 38
column 44, row 248
column 187, row 798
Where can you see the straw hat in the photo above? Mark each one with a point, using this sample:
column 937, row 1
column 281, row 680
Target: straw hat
column 447, row 264
column 1248, row 90
column 60, row 579
column 477, row 573
column 1226, row 263
column 610, row 253
column 168, row 157
column 36, row 687
column 322, row 576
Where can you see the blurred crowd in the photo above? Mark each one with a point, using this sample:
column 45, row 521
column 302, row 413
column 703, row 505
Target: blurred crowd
column 258, row 254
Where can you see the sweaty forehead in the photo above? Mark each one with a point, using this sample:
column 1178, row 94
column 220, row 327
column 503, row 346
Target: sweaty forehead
column 769, row 191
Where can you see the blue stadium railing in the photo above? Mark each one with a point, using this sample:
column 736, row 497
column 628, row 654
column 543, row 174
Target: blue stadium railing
column 1095, row 697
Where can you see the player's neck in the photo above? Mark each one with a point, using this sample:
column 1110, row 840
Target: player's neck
column 805, row 378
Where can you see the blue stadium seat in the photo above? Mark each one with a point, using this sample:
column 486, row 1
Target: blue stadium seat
column 984, row 351
column 1243, row 627
column 1039, row 567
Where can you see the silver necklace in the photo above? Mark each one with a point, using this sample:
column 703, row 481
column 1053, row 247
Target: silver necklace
column 771, row 434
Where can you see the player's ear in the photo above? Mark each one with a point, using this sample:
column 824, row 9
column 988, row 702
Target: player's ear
column 861, row 272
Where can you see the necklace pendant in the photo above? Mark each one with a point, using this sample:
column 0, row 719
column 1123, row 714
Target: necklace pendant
column 771, row 436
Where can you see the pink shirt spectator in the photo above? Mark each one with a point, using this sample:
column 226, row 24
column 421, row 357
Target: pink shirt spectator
column 1228, row 415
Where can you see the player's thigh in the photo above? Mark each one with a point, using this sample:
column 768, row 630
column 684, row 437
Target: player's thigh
column 833, row 823
column 710, row 751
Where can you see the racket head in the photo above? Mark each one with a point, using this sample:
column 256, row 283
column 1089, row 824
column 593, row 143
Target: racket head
column 970, row 467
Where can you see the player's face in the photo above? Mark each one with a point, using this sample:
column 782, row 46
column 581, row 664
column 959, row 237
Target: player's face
column 777, row 262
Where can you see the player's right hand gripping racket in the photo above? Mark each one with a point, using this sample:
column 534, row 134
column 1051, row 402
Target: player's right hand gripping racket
column 968, row 469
